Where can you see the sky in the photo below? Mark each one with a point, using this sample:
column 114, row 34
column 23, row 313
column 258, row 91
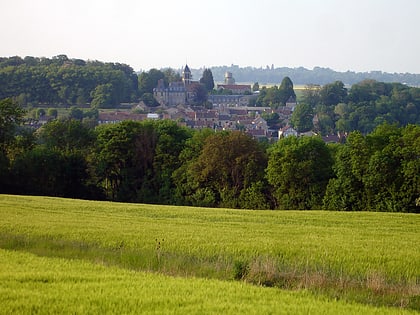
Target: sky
column 354, row 35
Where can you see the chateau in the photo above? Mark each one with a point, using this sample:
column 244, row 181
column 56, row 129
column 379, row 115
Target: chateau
column 177, row 93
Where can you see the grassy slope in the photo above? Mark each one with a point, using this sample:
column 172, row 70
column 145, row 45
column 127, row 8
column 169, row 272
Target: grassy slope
column 375, row 255
column 32, row 284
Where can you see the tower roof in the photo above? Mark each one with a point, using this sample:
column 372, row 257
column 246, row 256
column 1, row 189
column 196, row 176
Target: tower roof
column 186, row 69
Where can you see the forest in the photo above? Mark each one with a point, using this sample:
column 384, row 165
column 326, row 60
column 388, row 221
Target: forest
column 164, row 163
column 317, row 75
column 62, row 81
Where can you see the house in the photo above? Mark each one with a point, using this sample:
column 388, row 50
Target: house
column 287, row 131
column 225, row 100
column 257, row 133
column 338, row 138
column 291, row 103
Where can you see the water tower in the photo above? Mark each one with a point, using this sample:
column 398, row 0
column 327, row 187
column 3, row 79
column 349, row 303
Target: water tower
column 229, row 80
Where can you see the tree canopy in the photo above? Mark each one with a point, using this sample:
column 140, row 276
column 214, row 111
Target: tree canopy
column 207, row 80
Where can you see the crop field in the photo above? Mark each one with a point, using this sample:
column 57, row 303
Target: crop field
column 352, row 257
column 30, row 284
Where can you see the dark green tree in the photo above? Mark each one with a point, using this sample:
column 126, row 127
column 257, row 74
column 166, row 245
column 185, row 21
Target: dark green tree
column 270, row 97
column 207, row 80
column 11, row 116
column 333, row 93
column 286, row 90
column 149, row 100
column 302, row 117
column 299, row 170
column 76, row 113
column 228, row 164
column 149, row 80
column 66, row 136
column 44, row 171
column 200, row 93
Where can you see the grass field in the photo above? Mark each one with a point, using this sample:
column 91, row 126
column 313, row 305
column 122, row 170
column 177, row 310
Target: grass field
column 37, row 285
column 371, row 258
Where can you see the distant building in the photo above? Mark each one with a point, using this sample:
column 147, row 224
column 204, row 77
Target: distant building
column 229, row 80
column 237, row 89
column 291, row 103
column 287, row 131
column 177, row 93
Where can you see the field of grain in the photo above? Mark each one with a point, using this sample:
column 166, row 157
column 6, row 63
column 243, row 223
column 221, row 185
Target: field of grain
column 372, row 258
column 39, row 285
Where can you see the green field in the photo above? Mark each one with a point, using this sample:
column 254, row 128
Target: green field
column 352, row 257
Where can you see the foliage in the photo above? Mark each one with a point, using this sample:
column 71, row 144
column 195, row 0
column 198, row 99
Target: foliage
column 302, row 118
column 42, row 171
column 379, row 172
column 11, row 115
column 207, row 80
column 299, row 170
column 65, row 81
column 303, row 76
column 149, row 80
column 286, row 90
column 200, row 93
column 367, row 105
column 149, row 100
column 161, row 162
column 66, row 135
column 135, row 160
column 228, row 165
column 102, row 96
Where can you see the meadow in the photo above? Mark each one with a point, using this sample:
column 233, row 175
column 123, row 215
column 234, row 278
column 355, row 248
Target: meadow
column 353, row 257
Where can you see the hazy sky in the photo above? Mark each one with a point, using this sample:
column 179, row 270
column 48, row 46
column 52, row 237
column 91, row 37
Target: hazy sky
column 357, row 35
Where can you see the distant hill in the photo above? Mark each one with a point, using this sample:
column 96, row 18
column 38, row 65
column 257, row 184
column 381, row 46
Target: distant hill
column 302, row 76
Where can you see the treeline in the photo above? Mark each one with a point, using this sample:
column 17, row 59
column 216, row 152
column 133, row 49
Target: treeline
column 363, row 107
column 161, row 162
column 333, row 108
column 303, row 76
column 64, row 81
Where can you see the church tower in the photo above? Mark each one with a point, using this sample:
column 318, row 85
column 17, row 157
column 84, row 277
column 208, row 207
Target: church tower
column 186, row 76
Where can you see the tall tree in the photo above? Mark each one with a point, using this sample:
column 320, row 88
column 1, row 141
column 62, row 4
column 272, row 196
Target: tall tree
column 286, row 90
column 207, row 80
column 102, row 96
column 11, row 115
column 302, row 117
column 200, row 93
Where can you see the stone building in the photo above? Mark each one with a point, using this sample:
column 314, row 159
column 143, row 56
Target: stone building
column 177, row 93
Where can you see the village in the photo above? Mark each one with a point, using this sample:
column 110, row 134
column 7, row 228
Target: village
column 230, row 111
